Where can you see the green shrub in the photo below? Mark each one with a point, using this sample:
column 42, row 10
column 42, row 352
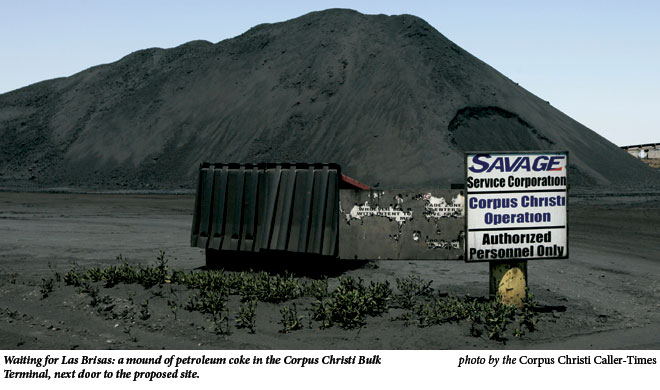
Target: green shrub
column 411, row 289
column 347, row 306
column 144, row 310
column 47, row 286
column 72, row 277
column 351, row 302
column 290, row 319
column 266, row 288
column 317, row 289
column 246, row 317
column 221, row 323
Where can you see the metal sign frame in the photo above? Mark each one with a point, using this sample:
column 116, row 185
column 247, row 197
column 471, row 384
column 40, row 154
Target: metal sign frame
column 467, row 207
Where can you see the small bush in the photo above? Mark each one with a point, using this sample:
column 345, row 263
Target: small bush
column 208, row 301
column 72, row 277
column 221, row 323
column 172, row 302
column 317, row 289
column 351, row 302
column 411, row 289
column 246, row 317
column 290, row 319
column 47, row 286
column 266, row 288
column 144, row 310
column 489, row 317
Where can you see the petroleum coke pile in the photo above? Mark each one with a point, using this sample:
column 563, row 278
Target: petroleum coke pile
column 389, row 98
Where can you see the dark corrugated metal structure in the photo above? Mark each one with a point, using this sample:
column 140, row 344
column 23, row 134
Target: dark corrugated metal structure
column 257, row 207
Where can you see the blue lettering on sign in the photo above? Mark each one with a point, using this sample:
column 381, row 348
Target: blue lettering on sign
column 481, row 164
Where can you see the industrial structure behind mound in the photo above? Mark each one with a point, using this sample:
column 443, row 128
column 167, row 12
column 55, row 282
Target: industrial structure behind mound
column 648, row 153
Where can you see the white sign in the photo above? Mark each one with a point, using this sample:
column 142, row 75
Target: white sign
column 516, row 206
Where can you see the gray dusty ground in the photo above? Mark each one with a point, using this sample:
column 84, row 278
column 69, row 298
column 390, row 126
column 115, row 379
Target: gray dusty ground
column 610, row 286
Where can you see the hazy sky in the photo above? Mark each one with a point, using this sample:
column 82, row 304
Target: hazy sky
column 597, row 61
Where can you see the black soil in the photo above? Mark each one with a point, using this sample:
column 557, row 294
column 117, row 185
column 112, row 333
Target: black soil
column 606, row 296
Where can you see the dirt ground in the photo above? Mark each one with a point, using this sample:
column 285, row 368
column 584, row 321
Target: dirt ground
column 605, row 296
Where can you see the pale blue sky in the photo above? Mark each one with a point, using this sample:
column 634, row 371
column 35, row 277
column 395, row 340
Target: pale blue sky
column 597, row 61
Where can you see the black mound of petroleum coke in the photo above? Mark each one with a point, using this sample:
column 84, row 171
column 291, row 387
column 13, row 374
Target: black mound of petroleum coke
column 387, row 97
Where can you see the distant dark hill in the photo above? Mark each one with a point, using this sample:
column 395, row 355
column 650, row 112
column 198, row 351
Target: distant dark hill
column 388, row 97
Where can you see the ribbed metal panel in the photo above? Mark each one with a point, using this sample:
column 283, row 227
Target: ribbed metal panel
column 283, row 207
